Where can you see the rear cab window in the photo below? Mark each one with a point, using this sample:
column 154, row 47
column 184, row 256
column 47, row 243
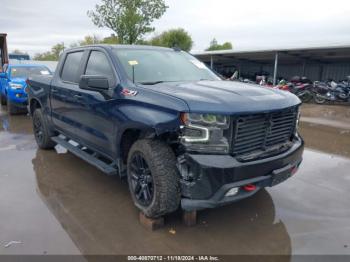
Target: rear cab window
column 71, row 67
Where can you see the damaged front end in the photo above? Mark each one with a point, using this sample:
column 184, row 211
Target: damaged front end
column 212, row 174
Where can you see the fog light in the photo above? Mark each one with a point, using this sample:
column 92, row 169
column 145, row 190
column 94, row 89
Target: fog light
column 249, row 187
column 232, row 191
column 294, row 170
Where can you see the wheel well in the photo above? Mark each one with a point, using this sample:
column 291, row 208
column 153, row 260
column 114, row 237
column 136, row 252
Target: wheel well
column 128, row 138
column 34, row 104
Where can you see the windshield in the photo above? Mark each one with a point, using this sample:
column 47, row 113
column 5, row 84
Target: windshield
column 25, row 72
column 153, row 66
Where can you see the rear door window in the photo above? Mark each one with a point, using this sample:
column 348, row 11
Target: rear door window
column 71, row 67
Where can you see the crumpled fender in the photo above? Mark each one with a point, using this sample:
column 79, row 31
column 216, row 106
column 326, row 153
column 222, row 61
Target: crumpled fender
column 150, row 120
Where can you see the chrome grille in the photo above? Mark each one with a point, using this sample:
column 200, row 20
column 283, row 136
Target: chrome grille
column 262, row 132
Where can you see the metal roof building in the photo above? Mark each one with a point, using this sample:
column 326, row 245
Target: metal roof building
column 316, row 63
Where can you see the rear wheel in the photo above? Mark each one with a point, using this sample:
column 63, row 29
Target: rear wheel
column 153, row 178
column 41, row 131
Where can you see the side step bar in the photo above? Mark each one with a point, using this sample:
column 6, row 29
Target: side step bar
column 82, row 152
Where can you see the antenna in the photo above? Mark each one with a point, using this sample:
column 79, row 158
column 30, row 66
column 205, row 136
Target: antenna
column 133, row 63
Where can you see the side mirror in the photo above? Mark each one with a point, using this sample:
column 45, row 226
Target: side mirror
column 94, row 83
column 3, row 75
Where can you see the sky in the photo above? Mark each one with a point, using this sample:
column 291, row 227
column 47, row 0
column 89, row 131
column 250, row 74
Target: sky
column 36, row 25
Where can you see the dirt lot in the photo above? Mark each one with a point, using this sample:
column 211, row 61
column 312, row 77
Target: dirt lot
column 54, row 203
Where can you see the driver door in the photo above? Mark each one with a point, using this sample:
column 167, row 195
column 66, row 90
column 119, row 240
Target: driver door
column 92, row 110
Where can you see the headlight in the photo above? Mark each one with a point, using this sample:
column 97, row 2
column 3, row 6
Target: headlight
column 208, row 120
column 205, row 133
column 15, row 86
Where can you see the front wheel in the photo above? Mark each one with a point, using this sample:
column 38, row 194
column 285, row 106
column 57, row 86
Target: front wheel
column 153, row 178
column 2, row 99
column 319, row 99
column 305, row 97
column 41, row 131
column 12, row 109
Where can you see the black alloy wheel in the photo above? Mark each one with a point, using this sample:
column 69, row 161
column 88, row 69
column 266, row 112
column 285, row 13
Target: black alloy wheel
column 41, row 131
column 142, row 182
column 38, row 129
column 153, row 178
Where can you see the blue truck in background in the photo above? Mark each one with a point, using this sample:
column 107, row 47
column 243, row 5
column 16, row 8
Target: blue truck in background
column 13, row 85
column 159, row 117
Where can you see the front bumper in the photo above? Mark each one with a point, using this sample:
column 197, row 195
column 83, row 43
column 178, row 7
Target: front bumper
column 18, row 97
column 207, row 178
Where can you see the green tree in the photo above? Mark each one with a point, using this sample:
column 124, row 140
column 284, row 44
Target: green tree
column 52, row 55
column 46, row 56
column 93, row 40
column 214, row 45
column 110, row 40
column 57, row 49
column 173, row 38
column 129, row 19
column 90, row 40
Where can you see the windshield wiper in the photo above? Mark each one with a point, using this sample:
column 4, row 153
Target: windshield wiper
column 151, row 83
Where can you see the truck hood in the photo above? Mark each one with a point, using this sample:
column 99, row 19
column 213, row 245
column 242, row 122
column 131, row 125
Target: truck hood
column 227, row 97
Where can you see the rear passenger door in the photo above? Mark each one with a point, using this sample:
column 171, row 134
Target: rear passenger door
column 64, row 91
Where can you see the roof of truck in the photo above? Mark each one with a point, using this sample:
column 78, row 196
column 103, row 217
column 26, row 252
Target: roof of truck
column 125, row 47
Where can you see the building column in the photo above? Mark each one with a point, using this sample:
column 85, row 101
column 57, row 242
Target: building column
column 211, row 62
column 275, row 69
column 320, row 73
column 304, row 68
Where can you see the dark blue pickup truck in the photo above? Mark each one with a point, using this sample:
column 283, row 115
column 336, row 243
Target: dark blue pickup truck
column 161, row 118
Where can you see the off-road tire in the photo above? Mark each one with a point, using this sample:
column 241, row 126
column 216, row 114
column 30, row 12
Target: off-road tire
column 11, row 108
column 2, row 100
column 44, row 140
column 166, row 180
